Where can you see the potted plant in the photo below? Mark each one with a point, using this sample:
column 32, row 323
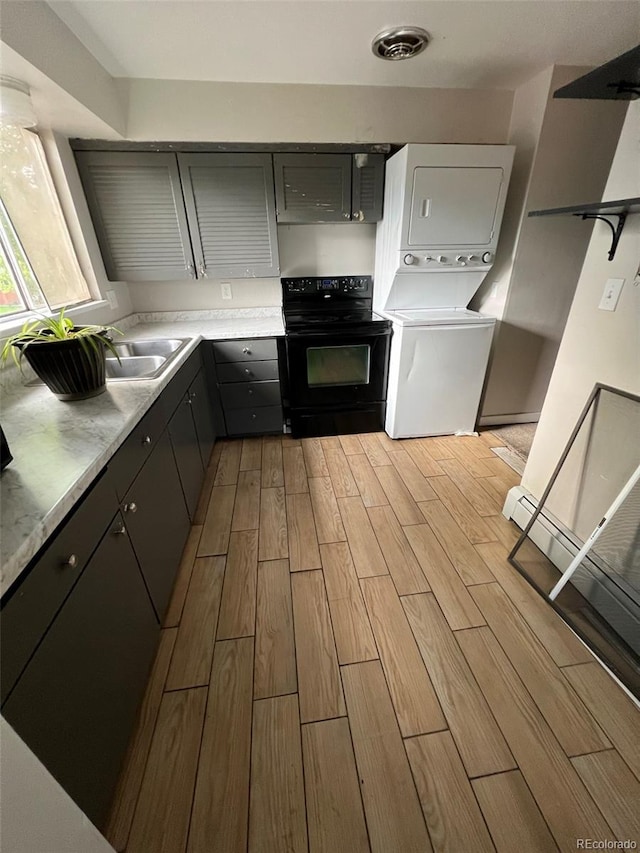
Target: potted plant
column 69, row 359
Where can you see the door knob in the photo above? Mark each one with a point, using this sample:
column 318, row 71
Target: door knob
column 71, row 561
column 120, row 530
column 246, row 350
column 146, row 439
column 131, row 507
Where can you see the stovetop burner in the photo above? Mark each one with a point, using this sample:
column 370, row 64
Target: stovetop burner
column 338, row 302
column 331, row 317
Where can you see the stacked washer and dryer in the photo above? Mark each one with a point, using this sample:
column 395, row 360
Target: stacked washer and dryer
column 443, row 209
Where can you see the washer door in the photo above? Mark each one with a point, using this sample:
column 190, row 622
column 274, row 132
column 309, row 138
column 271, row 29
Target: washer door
column 436, row 374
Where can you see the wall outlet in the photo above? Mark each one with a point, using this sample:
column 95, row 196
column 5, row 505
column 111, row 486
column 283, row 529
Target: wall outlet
column 112, row 299
column 611, row 294
column 225, row 290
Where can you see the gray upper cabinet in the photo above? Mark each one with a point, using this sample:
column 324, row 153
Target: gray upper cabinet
column 150, row 208
column 135, row 201
column 313, row 187
column 367, row 187
column 329, row 187
column 231, row 211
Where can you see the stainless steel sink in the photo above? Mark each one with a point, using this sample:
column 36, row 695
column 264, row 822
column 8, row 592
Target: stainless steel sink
column 142, row 359
column 135, row 367
column 164, row 347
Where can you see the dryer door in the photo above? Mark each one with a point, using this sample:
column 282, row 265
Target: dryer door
column 454, row 206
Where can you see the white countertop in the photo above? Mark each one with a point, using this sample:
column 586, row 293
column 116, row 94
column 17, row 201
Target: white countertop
column 58, row 447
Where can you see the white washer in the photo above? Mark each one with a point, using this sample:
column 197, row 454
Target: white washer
column 437, row 368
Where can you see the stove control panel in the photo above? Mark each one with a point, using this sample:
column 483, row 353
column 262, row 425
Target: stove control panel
column 356, row 285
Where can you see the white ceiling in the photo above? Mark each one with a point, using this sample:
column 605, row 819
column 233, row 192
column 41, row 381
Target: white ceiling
column 475, row 43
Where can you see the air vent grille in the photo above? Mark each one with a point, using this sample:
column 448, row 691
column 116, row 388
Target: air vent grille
column 400, row 43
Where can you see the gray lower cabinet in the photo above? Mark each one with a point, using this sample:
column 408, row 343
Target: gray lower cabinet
column 158, row 521
column 249, row 385
column 76, row 702
column 80, row 630
column 192, row 434
column 184, row 441
column 28, row 612
column 203, row 415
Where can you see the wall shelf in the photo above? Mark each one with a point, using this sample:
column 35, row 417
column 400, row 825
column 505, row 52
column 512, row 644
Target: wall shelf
column 599, row 210
column 617, row 80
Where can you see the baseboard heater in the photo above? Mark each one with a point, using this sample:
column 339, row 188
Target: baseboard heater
column 615, row 600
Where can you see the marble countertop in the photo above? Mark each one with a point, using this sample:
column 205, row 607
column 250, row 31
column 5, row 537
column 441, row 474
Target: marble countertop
column 58, row 448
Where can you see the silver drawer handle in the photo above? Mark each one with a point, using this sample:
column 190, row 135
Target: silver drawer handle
column 189, row 401
column 248, row 372
column 246, row 350
column 253, row 417
column 71, row 561
column 132, row 507
column 146, row 439
column 250, row 391
column 121, row 530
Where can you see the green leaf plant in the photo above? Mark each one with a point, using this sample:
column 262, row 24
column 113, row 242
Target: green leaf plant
column 57, row 328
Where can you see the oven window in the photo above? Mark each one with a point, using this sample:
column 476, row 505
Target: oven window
column 344, row 365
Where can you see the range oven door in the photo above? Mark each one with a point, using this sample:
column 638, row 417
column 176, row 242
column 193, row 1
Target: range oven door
column 346, row 367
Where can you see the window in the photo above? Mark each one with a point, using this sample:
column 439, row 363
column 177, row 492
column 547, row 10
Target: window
column 38, row 266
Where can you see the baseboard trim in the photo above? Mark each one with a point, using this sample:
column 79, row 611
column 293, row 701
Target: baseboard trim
column 506, row 420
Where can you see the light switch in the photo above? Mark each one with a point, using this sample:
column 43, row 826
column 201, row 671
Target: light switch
column 225, row 289
column 611, row 294
column 112, row 299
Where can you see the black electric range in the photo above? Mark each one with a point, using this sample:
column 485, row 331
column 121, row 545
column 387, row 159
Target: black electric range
column 337, row 355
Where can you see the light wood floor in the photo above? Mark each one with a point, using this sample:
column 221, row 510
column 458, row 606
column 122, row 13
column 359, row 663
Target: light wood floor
column 350, row 664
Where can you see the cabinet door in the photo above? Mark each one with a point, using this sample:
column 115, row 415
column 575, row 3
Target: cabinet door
column 367, row 187
column 186, row 451
column 136, row 205
column 158, row 522
column 28, row 610
column 313, row 187
column 202, row 411
column 76, row 702
column 231, row 210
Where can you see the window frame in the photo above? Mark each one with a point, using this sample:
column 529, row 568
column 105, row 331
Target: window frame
column 14, row 321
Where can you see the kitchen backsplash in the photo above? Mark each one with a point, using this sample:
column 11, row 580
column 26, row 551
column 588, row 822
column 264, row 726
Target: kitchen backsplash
column 304, row 250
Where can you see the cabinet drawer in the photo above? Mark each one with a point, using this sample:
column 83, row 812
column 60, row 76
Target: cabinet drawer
column 257, row 371
column 258, row 420
column 247, row 350
column 250, row 395
column 31, row 609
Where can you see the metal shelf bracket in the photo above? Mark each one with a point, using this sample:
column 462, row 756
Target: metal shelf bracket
column 616, row 231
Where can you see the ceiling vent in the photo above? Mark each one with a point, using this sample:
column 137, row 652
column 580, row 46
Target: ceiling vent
column 400, row 43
